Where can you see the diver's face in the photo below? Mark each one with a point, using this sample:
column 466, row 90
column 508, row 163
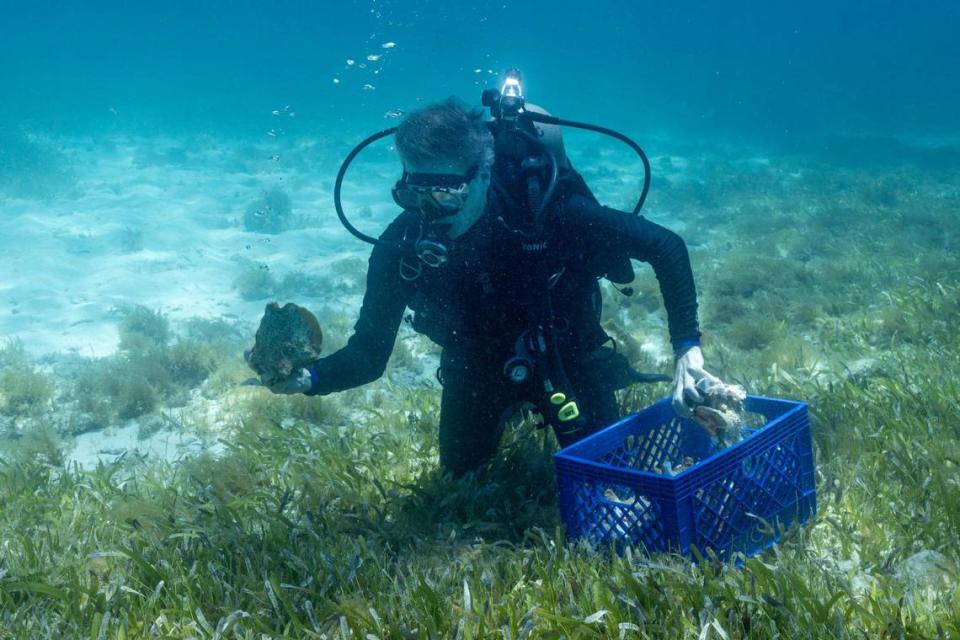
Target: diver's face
column 456, row 224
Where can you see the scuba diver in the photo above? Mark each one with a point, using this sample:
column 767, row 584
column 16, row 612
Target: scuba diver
column 498, row 252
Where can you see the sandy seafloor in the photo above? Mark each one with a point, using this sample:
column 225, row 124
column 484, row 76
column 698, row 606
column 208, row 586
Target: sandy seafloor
column 158, row 222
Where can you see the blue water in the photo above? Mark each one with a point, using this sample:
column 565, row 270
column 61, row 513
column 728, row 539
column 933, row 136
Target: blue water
column 766, row 73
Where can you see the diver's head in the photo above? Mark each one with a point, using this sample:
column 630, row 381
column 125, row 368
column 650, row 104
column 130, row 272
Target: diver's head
column 447, row 154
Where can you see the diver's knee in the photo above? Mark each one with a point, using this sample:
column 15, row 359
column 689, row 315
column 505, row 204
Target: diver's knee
column 458, row 465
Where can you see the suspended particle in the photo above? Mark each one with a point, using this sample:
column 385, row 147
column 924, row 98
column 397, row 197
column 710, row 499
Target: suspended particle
column 351, row 62
column 368, row 87
column 389, row 45
column 373, row 57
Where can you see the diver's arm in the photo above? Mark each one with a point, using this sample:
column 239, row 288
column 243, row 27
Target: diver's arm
column 605, row 229
column 364, row 358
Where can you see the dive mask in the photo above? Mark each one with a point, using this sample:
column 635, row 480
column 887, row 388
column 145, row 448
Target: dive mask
column 435, row 195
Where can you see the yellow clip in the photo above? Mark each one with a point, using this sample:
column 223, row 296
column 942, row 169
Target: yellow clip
column 558, row 398
column 568, row 412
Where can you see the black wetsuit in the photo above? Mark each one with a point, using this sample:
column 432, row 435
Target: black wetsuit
column 477, row 304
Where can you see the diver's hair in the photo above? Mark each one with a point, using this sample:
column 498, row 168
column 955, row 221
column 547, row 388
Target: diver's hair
column 448, row 130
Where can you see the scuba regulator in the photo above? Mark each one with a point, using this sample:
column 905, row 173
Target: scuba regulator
column 536, row 170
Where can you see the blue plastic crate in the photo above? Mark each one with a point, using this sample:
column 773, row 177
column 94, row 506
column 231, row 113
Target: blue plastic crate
column 735, row 499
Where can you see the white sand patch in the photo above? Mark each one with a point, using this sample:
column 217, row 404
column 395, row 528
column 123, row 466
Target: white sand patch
column 92, row 448
column 168, row 236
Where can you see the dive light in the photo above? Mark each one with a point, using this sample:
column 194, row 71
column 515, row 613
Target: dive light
column 507, row 102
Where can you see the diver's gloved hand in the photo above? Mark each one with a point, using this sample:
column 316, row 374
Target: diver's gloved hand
column 689, row 371
column 299, row 382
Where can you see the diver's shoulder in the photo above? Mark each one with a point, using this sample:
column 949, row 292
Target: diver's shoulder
column 578, row 206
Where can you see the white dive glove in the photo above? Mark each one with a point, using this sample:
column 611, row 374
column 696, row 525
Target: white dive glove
column 688, row 373
column 299, row 382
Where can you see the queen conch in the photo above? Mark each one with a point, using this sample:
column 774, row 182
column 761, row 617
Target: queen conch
column 288, row 339
column 721, row 412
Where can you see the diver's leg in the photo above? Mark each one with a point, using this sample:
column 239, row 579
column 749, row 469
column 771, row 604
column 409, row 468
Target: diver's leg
column 475, row 404
column 470, row 430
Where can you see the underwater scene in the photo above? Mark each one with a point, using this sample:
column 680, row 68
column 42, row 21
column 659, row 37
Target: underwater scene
column 216, row 215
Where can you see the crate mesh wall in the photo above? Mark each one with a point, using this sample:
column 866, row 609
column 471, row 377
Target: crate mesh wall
column 612, row 490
